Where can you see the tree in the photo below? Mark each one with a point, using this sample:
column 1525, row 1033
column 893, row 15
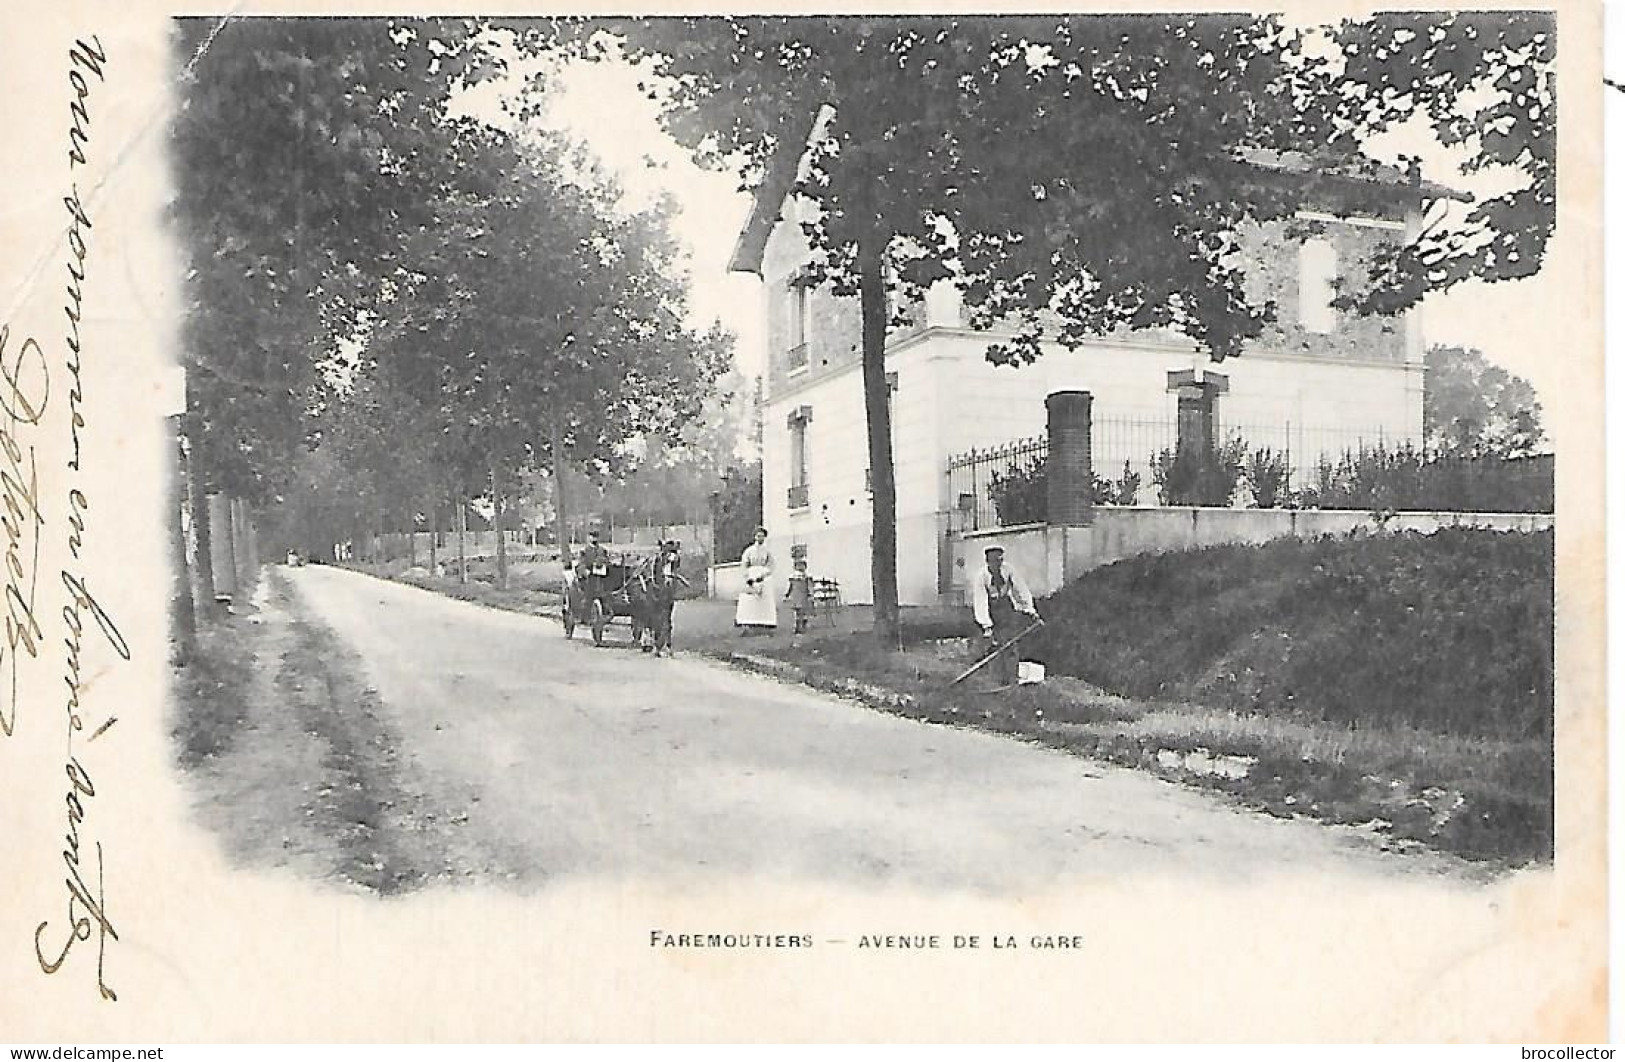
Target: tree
column 423, row 300
column 673, row 479
column 738, row 511
column 1472, row 407
column 543, row 323
column 304, row 150
column 1094, row 171
column 1485, row 83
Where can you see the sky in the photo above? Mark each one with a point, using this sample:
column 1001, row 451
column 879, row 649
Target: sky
column 601, row 105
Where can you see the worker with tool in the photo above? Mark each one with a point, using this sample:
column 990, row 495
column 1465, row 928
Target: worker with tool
column 1004, row 610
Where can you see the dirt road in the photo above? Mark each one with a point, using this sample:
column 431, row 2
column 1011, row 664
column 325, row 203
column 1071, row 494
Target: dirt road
column 463, row 742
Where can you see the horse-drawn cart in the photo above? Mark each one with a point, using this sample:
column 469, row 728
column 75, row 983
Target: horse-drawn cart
column 617, row 597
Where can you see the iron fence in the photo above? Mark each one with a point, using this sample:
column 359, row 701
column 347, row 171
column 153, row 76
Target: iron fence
column 1139, row 461
column 979, row 480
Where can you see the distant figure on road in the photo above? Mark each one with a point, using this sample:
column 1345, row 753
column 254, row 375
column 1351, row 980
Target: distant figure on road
column 758, row 611
column 1003, row 607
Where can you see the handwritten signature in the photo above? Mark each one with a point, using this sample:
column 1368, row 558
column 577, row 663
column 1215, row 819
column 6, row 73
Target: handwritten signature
column 23, row 401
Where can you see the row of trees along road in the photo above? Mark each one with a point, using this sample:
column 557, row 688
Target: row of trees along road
column 393, row 306
column 1096, row 169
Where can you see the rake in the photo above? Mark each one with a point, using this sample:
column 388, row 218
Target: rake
column 997, row 652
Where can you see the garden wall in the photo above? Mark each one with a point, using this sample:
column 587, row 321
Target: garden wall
column 727, row 580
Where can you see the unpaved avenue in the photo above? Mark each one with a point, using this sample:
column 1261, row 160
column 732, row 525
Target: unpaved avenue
column 569, row 760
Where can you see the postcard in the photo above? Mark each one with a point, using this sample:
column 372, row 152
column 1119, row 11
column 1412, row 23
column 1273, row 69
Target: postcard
column 528, row 523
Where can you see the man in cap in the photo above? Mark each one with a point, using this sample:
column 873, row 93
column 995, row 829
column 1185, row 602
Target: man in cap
column 592, row 567
column 1003, row 607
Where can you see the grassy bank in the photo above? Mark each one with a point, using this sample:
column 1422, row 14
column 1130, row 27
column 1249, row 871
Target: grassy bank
column 295, row 762
column 533, row 588
column 1450, row 632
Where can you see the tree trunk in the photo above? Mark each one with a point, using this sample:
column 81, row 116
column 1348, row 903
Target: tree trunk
column 248, row 556
column 203, row 541
column 228, row 553
column 558, row 497
column 462, row 535
column 496, row 525
column 411, row 536
column 876, row 398
column 240, row 545
column 185, row 614
column 434, row 537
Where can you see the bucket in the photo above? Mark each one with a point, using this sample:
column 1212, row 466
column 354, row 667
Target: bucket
column 1029, row 672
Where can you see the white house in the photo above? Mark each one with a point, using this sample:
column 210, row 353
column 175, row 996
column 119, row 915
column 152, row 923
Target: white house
column 1315, row 381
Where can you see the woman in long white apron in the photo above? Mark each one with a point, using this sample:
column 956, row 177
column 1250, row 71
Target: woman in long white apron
column 758, row 609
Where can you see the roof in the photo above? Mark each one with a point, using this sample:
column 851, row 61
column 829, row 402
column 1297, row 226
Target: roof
column 769, row 196
column 1364, row 171
column 768, row 199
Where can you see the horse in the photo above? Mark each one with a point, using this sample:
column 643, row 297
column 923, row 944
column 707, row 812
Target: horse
column 654, row 597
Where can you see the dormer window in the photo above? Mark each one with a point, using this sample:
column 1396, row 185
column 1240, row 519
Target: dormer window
column 1317, row 285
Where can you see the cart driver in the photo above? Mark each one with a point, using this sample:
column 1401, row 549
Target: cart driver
column 1003, row 607
column 592, row 567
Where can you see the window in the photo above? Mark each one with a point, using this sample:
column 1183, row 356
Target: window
column 797, row 423
column 797, row 292
column 1317, row 285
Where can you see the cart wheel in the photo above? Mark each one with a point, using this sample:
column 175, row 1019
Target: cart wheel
column 598, row 621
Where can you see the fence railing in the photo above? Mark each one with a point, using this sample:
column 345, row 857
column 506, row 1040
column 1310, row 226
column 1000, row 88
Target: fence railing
column 992, row 486
column 1140, row 461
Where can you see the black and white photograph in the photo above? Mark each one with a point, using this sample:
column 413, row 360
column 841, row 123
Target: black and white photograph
column 1095, row 516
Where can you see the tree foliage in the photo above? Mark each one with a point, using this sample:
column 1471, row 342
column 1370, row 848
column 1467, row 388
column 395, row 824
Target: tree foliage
column 1484, row 83
column 673, row 480
column 304, row 150
column 738, row 511
column 1089, row 173
column 1472, row 407
column 420, row 297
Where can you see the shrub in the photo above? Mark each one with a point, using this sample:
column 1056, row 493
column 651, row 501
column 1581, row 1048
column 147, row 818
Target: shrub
column 1193, row 474
column 1407, row 478
column 1266, row 473
column 1122, row 491
column 1020, row 492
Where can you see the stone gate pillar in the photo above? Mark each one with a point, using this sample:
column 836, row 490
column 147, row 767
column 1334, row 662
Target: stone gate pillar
column 1069, row 469
column 1197, row 399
